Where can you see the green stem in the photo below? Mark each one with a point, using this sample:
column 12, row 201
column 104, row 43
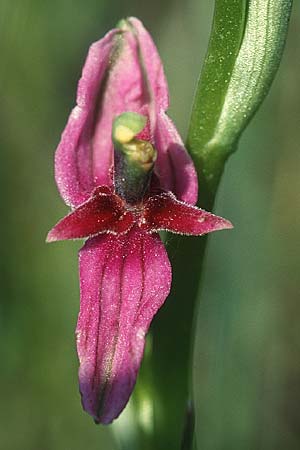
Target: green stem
column 245, row 51
column 224, row 45
column 171, row 342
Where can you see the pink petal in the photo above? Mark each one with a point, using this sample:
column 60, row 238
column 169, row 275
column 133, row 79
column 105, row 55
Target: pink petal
column 124, row 280
column 164, row 212
column 174, row 166
column 103, row 212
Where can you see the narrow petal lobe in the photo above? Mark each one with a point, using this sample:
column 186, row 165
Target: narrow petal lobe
column 165, row 212
column 124, row 280
column 103, row 212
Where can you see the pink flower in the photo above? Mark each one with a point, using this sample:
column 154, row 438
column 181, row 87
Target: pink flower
column 123, row 169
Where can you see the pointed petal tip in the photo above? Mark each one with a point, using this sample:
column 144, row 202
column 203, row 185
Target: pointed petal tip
column 50, row 238
column 215, row 223
column 53, row 236
column 222, row 224
column 228, row 225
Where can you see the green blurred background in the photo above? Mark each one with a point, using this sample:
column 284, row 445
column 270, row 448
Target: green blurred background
column 247, row 359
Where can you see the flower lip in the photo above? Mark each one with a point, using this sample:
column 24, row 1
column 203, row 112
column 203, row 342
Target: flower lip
column 124, row 280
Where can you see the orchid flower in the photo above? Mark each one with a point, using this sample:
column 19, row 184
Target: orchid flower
column 122, row 168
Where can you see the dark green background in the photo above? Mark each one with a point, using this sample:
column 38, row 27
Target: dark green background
column 247, row 362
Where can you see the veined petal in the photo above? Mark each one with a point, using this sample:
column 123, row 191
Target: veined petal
column 165, row 212
column 174, row 166
column 124, row 280
column 103, row 212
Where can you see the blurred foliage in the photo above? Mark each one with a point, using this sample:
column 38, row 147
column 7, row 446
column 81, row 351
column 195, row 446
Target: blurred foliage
column 247, row 364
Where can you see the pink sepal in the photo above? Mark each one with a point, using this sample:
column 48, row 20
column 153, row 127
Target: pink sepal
column 74, row 167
